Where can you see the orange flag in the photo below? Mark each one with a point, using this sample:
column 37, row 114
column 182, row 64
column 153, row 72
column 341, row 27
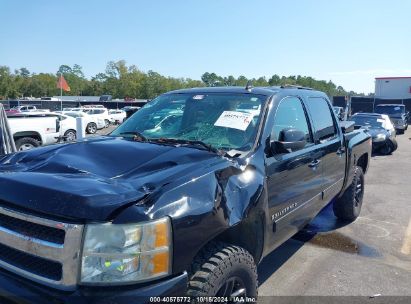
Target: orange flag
column 62, row 84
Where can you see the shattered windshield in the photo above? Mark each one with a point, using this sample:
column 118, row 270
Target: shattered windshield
column 223, row 121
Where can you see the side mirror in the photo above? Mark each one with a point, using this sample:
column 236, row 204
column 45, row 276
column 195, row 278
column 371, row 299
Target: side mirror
column 289, row 140
column 347, row 126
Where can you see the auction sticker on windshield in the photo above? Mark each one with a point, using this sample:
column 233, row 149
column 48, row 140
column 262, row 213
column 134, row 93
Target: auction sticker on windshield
column 234, row 120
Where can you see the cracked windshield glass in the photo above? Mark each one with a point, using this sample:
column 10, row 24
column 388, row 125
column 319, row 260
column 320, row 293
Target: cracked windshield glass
column 223, row 121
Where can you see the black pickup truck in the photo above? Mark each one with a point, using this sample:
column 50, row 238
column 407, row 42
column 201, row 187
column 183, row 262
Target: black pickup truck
column 183, row 199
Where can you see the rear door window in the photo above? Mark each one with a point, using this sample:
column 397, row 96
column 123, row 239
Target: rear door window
column 323, row 122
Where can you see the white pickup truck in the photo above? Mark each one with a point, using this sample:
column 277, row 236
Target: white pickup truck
column 31, row 131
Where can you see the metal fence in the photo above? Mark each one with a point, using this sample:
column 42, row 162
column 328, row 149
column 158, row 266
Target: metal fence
column 368, row 104
column 56, row 105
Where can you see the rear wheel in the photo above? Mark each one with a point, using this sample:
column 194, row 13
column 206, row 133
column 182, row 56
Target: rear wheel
column 106, row 123
column 26, row 143
column 91, row 128
column 348, row 206
column 223, row 270
column 70, row 135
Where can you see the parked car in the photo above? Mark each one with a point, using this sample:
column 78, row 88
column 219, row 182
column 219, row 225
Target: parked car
column 105, row 98
column 118, row 116
column 383, row 140
column 92, row 123
column 397, row 114
column 19, row 109
column 189, row 209
column 339, row 112
column 33, row 131
column 101, row 113
column 130, row 110
column 387, row 123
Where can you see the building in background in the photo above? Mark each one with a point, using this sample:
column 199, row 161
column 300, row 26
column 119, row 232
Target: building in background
column 393, row 87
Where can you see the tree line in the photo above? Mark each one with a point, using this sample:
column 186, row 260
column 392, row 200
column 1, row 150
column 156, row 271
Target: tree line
column 123, row 81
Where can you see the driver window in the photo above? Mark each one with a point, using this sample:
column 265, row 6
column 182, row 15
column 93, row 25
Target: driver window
column 290, row 114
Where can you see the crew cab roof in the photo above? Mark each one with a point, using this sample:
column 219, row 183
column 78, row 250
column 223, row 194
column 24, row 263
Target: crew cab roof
column 266, row 91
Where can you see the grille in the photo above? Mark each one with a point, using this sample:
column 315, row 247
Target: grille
column 33, row 230
column 40, row 249
column 39, row 266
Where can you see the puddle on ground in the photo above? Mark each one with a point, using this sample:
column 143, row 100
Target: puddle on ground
column 322, row 232
column 339, row 242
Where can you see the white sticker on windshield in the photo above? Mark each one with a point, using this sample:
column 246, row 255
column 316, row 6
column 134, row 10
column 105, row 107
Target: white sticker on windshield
column 198, row 97
column 234, row 120
column 380, row 120
column 397, row 108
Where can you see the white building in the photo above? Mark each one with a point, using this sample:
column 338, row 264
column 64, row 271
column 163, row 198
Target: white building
column 393, row 87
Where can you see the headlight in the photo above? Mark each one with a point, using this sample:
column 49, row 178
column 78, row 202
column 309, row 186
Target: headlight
column 118, row 254
column 380, row 136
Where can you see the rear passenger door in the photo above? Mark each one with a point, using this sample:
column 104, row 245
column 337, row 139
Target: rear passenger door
column 294, row 178
column 328, row 137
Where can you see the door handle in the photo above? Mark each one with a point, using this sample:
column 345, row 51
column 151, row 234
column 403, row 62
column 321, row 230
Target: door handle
column 314, row 164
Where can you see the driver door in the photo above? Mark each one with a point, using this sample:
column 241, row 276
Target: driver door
column 294, row 178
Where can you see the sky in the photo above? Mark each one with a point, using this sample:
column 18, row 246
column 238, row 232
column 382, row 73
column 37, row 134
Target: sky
column 349, row 42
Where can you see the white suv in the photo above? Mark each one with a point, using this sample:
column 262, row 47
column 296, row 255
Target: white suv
column 101, row 113
column 118, row 116
column 92, row 123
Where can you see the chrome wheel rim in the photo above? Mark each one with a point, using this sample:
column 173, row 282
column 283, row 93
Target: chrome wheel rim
column 92, row 129
column 26, row 147
column 70, row 136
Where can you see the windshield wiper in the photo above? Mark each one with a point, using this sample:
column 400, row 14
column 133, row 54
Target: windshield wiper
column 194, row 143
column 137, row 135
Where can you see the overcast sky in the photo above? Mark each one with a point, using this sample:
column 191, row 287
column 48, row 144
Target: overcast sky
column 349, row 42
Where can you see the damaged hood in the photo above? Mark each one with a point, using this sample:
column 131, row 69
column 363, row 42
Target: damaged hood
column 90, row 180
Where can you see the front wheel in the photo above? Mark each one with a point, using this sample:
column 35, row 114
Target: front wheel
column 348, row 206
column 70, row 135
column 91, row 128
column 388, row 148
column 225, row 271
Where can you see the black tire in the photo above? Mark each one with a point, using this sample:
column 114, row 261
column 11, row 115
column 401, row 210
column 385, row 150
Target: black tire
column 223, row 270
column 106, row 123
column 70, row 135
column 394, row 144
column 26, row 143
column 91, row 128
column 400, row 132
column 388, row 148
column 348, row 206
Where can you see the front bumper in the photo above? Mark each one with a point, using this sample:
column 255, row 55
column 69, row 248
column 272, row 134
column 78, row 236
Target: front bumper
column 14, row 289
column 400, row 127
